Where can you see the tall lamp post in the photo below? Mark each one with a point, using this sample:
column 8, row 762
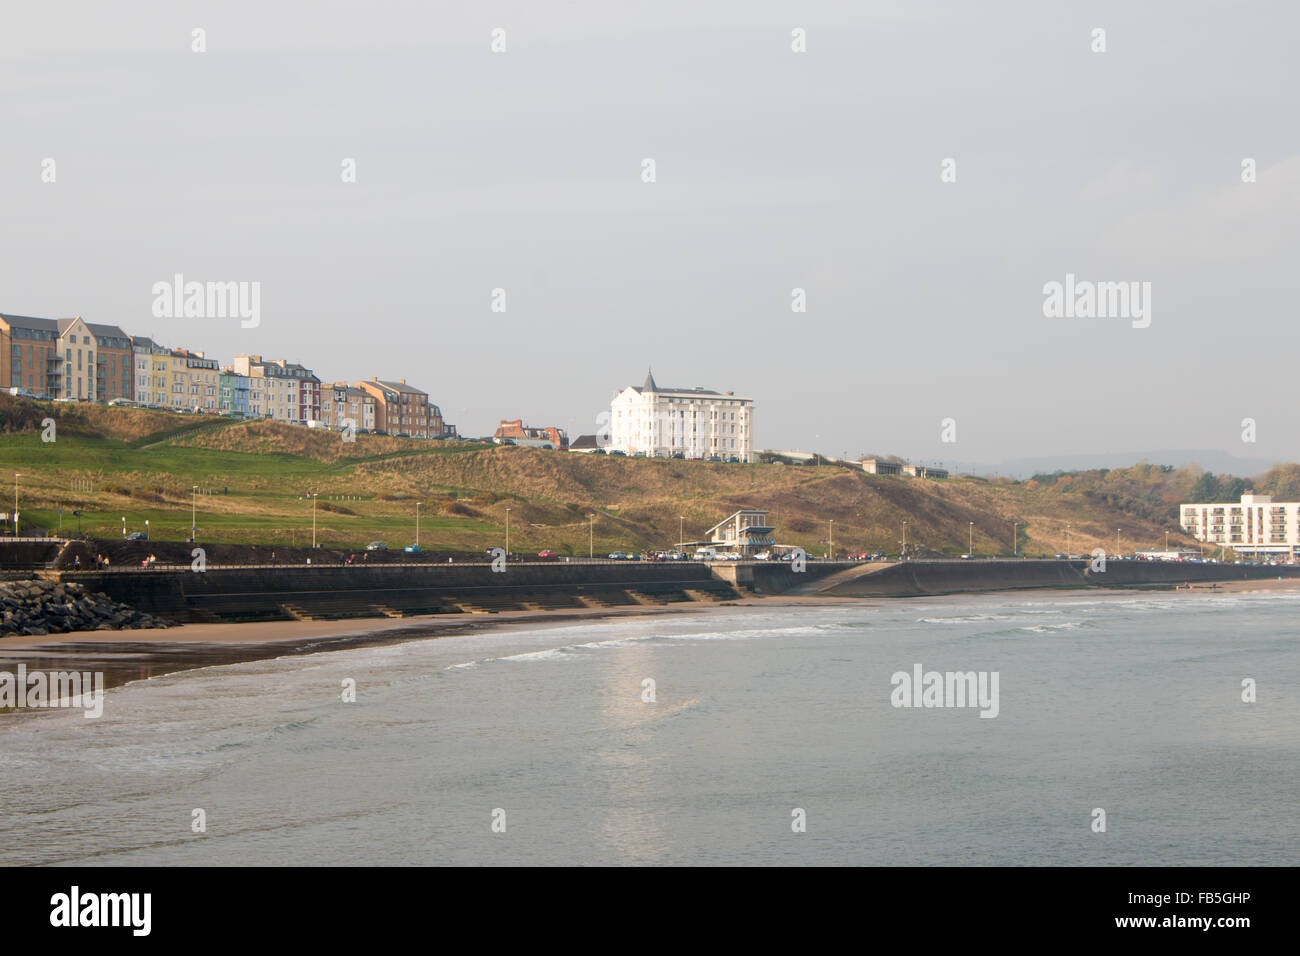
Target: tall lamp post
column 591, row 536
column 507, row 533
column 681, row 532
column 1117, row 542
column 1067, row 539
column 313, row 495
column 830, row 540
column 194, row 492
column 417, row 523
column 903, row 556
column 970, row 539
column 16, row 477
column 1015, row 538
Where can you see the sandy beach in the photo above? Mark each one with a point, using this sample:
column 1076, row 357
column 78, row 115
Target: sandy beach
column 140, row 654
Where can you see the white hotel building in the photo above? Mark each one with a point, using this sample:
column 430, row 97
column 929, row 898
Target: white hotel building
column 694, row 422
column 1258, row 527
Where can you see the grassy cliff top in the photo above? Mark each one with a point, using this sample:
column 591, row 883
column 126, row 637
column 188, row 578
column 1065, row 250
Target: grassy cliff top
column 254, row 481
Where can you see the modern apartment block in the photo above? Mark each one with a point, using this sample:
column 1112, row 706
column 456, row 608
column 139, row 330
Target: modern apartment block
column 290, row 392
column 342, row 403
column 114, row 363
column 29, row 355
column 1257, row 527
column 694, row 422
column 65, row 358
column 402, row 409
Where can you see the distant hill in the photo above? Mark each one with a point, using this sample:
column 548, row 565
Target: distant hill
column 1211, row 460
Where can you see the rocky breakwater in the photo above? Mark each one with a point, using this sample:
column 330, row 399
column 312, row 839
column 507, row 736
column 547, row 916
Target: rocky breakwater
column 38, row 606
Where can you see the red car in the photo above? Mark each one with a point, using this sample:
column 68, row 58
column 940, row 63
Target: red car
column 548, row 553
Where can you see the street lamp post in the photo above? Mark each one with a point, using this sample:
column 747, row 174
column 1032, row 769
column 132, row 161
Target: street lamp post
column 1015, row 538
column 970, row 539
column 417, row 523
column 507, row 533
column 830, row 541
column 314, row 495
column 1117, row 542
column 146, row 528
column 16, row 477
column 194, row 491
column 681, row 532
column 591, row 536
column 123, row 526
column 1067, row 539
column 903, row 556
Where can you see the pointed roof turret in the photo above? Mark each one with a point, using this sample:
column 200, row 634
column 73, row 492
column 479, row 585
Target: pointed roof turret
column 649, row 385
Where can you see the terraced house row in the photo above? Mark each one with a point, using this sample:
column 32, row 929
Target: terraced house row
column 75, row 360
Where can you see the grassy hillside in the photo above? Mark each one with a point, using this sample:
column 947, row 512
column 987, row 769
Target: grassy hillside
column 254, row 480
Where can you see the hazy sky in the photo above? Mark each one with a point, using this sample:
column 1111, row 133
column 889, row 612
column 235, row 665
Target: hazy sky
column 775, row 170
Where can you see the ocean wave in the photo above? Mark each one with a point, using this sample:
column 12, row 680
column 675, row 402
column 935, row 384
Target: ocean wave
column 964, row 619
column 1045, row 628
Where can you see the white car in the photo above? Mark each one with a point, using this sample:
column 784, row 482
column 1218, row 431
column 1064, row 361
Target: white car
column 763, row 556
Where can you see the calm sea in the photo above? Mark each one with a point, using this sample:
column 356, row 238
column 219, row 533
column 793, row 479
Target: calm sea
column 1130, row 703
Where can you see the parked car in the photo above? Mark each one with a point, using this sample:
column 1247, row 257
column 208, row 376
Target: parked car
column 618, row 555
column 136, row 536
column 705, row 554
column 546, row 553
column 680, row 456
column 413, row 549
column 763, row 556
column 377, row 546
column 621, row 454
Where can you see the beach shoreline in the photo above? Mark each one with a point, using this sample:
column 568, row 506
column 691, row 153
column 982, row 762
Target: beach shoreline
column 124, row 656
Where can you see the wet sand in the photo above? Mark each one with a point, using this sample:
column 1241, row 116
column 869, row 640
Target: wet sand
column 151, row 653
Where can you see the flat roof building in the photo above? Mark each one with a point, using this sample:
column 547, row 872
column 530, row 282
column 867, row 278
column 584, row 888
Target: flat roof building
column 1256, row 527
column 746, row 531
